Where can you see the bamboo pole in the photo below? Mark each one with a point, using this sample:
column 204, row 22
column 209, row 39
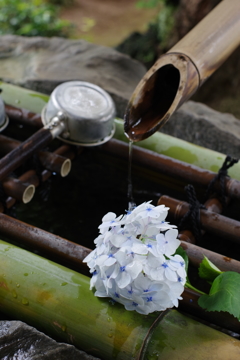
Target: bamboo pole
column 31, row 177
column 22, row 191
column 175, row 76
column 213, row 223
column 57, row 301
column 164, row 165
column 47, row 244
column 16, row 157
column 23, row 116
column 213, row 205
column 180, row 150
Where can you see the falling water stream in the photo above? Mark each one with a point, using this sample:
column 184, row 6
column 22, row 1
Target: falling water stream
column 131, row 203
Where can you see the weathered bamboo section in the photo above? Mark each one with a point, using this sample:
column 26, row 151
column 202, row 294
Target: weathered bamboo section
column 178, row 74
column 61, row 304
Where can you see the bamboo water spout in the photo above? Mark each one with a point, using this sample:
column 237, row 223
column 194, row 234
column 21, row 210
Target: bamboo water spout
column 177, row 75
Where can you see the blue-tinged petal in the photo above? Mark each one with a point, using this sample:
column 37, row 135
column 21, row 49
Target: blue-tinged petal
column 134, row 269
column 109, row 261
column 171, row 275
column 123, row 279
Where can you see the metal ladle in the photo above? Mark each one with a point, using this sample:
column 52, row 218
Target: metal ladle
column 78, row 113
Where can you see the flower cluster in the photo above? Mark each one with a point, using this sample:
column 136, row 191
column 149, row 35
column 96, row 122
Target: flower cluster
column 134, row 261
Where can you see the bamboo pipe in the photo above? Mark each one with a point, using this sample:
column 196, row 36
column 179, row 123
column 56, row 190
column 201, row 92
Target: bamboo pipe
column 16, row 157
column 196, row 255
column 213, row 205
column 31, row 177
column 23, row 116
column 177, row 75
column 21, row 191
column 213, row 223
column 61, row 304
column 171, row 167
column 53, row 246
column 51, row 161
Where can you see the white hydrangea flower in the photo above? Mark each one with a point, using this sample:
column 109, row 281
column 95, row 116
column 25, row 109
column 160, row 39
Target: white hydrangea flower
column 135, row 263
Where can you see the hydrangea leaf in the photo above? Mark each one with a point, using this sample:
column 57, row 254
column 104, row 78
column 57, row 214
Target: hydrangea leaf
column 207, row 270
column 224, row 294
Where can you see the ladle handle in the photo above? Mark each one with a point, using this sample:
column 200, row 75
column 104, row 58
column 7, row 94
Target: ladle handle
column 20, row 154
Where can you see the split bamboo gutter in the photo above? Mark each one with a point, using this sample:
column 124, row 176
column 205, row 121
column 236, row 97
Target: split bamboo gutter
column 177, row 75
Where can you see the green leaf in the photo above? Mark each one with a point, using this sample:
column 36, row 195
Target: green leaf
column 208, row 270
column 224, row 294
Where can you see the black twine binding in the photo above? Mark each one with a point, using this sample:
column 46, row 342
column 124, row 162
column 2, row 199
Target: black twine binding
column 221, row 175
column 193, row 214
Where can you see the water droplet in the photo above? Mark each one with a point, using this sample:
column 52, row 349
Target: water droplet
column 17, row 101
column 25, row 301
column 25, row 274
column 64, row 283
column 64, row 328
column 108, row 319
column 17, row 285
column 110, row 335
column 14, row 294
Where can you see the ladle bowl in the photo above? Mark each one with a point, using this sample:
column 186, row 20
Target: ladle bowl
column 88, row 110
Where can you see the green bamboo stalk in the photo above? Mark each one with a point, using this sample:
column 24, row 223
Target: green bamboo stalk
column 58, row 301
column 158, row 142
column 23, row 98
